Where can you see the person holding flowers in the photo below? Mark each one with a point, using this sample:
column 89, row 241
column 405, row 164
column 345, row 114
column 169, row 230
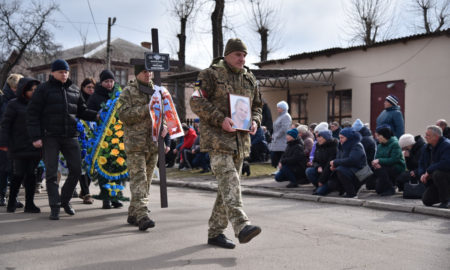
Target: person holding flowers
column 102, row 93
column 141, row 150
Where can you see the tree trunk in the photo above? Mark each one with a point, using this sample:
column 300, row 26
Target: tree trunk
column 180, row 91
column 8, row 66
column 264, row 33
column 217, row 35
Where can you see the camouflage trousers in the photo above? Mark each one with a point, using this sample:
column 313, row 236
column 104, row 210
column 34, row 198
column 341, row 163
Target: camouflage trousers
column 140, row 167
column 228, row 205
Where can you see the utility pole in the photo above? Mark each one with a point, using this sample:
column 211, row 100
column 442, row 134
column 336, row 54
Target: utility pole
column 108, row 42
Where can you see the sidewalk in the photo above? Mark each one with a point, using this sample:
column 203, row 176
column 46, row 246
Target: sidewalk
column 267, row 186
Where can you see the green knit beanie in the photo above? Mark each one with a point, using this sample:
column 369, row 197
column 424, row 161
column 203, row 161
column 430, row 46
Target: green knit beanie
column 235, row 44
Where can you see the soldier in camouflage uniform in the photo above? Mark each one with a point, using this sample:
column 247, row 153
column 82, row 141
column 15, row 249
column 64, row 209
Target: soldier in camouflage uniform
column 227, row 146
column 141, row 150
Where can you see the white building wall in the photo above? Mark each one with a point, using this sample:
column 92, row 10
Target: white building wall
column 423, row 64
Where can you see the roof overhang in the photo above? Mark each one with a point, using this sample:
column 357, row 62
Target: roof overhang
column 277, row 78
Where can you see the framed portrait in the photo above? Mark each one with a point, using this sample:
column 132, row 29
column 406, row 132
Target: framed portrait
column 240, row 112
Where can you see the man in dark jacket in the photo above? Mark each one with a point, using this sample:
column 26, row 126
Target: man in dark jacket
column 293, row 161
column 7, row 94
column 437, row 175
column 335, row 129
column 52, row 124
column 14, row 139
column 267, row 117
column 445, row 128
column 392, row 116
column 102, row 92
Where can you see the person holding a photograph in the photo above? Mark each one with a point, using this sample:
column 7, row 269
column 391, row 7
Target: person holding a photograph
column 226, row 145
column 240, row 115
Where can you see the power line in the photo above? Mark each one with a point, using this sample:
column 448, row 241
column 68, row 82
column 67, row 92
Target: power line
column 92, row 15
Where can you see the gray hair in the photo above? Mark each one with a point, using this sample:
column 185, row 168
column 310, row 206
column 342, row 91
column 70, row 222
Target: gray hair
column 440, row 122
column 435, row 129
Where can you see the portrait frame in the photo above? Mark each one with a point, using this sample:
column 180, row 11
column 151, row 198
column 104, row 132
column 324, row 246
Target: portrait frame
column 238, row 106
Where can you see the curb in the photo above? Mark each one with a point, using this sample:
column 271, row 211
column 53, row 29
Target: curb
column 386, row 206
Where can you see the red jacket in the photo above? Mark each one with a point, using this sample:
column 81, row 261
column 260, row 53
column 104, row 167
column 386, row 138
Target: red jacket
column 189, row 139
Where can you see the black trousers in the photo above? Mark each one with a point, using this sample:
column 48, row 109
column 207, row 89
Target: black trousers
column 438, row 189
column 85, row 182
column 70, row 149
column 23, row 171
column 385, row 177
column 275, row 157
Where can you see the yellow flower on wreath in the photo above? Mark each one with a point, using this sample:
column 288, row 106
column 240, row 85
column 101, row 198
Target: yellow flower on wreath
column 121, row 146
column 115, row 140
column 120, row 161
column 120, row 122
column 119, row 133
column 102, row 160
column 113, row 120
column 115, row 152
column 118, row 127
column 104, row 145
column 109, row 132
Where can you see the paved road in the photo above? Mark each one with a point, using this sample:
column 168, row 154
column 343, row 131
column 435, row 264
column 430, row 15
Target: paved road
column 296, row 235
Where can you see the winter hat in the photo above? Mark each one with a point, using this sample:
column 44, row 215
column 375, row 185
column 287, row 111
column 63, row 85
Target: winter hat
column 106, row 74
column 283, row 105
column 358, row 125
column 406, row 140
column 25, row 84
column 322, row 126
column 326, row 134
column 60, row 64
column 385, row 131
column 293, row 133
column 197, row 120
column 347, row 132
column 138, row 69
column 235, row 44
column 392, row 99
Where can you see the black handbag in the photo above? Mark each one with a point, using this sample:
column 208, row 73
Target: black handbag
column 413, row 191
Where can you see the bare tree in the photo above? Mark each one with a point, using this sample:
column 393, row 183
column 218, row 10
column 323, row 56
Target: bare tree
column 441, row 14
column 264, row 22
column 24, row 30
column 367, row 18
column 217, row 31
column 183, row 10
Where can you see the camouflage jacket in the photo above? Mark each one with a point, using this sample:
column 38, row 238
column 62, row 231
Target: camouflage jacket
column 210, row 103
column 137, row 124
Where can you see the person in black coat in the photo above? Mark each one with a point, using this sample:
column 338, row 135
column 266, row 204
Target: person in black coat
column 87, row 90
column 6, row 95
column 14, row 138
column 349, row 159
column 293, row 161
column 103, row 91
column 319, row 173
column 52, row 124
column 412, row 148
column 367, row 140
column 267, row 117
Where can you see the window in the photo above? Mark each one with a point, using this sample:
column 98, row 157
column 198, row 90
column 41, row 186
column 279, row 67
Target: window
column 41, row 77
column 342, row 106
column 298, row 108
column 121, row 76
column 74, row 75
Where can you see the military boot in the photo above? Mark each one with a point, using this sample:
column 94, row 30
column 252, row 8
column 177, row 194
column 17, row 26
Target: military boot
column 145, row 223
column 247, row 233
column 132, row 220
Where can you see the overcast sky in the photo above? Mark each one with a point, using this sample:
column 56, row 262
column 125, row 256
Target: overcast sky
column 306, row 25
